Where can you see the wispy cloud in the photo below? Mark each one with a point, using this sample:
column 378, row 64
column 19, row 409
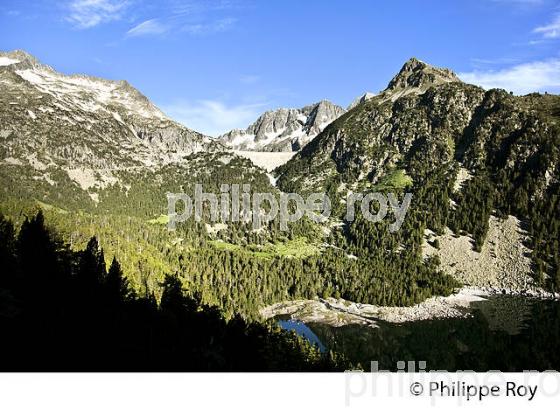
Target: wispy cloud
column 486, row 63
column 213, row 117
column 493, row 61
column 198, row 6
column 551, row 30
column 521, row 79
column 85, row 14
column 191, row 17
column 148, row 28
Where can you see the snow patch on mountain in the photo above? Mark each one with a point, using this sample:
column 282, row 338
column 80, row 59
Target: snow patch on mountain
column 267, row 160
column 284, row 130
column 89, row 94
column 4, row 61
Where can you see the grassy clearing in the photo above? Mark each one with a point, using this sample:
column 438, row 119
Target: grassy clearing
column 298, row 248
column 396, row 179
column 47, row 207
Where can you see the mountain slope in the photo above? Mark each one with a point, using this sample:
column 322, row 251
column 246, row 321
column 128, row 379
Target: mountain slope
column 90, row 117
column 284, row 129
column 361, row 99
column 65, row 138
column 421, row 131
column 425, row 118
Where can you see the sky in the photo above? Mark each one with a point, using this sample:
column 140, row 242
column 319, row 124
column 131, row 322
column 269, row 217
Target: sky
column 215, row 65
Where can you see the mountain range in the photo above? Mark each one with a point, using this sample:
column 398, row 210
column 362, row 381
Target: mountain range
column 78, row 144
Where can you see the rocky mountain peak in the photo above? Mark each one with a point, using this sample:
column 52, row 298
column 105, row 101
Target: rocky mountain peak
column 98, row 122
column 418, row 74
column 20, row 60
column 284, row 129
column 321, row 115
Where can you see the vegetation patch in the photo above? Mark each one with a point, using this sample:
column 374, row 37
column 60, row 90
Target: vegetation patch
column 396, row 179
column 294, row 248
column 160, row 220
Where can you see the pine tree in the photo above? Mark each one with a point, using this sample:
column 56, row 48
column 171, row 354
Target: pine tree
column 116, row 284
column 37, row 255
column 91, row 271
column 7, row 250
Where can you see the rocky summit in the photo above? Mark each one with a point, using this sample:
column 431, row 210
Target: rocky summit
column 285, row 129
column 417, row 76
column 77, row 120
column 427, row 131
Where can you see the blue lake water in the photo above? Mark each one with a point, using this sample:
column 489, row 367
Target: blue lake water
column 303, row 330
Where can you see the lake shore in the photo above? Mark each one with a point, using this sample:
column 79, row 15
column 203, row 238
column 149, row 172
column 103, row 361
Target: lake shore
column 340, row 312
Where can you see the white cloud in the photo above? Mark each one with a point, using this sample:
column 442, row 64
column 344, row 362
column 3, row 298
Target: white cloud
column 551, row 30
column 176, row 23
column 89, row 13
column 148, row 27
column 521, row 79
column 213, row 117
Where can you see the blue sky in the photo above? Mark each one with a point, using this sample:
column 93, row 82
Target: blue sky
column 216, row 64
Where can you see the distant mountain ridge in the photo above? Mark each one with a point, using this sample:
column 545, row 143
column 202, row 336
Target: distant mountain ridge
column 284, row 129
column 79, row 141
column 92, row 117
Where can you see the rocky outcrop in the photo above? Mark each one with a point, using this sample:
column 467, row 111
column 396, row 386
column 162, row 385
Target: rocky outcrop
column 416, row 77
column 82, row 121
column 284, row 129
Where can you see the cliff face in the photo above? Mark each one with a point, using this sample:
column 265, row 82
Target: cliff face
column 284, row 129
column 76, row 120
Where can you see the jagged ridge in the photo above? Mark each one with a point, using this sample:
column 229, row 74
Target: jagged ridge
column 78, row 120
column 284, row 129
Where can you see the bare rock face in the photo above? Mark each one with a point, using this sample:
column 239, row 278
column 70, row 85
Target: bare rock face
column 320, row 115
column 82, row 121
column 284, row 129
column 416, row 74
